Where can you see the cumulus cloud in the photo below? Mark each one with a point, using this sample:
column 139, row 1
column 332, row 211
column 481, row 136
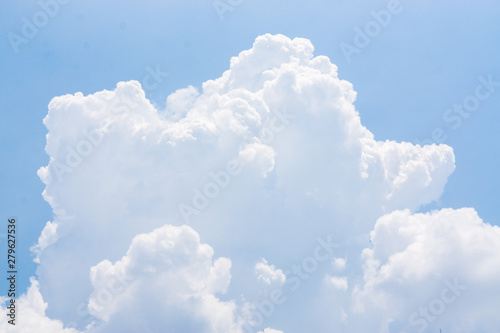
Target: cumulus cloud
column 176, row 278
column 269, row 274
column 260, row 162
column 339, row 263
column 47, row 237
column 30, row 314
column 337, row 282
column 430, row 271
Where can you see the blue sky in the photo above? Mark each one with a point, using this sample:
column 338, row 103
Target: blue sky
column 429, row 57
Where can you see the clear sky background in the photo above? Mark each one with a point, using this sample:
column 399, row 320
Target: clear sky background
column 428, row 58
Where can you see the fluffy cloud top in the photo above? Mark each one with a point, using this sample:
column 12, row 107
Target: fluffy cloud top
column 433, row 270
column 260, row 162
column 32, row 308
column 269, row 274
column 175, row 276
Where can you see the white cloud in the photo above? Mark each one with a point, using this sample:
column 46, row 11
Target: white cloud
column 180, row 102
column 270, row 330
column 337, row 282
column 47, row 237
column 339, row 263
column 432, row 270
column 409, row 171
column 269, row 274
column 170, row 273
column 343, row 316
column 30, row 315
column 119, row 167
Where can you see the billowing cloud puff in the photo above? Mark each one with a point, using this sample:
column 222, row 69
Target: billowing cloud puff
column 175, row 278
column 269, row 274
column 260, row 162
column 431, row 271
column 337, row 282
column 339, row 263
column 30, row 314
column 270, row 330
column 47, row 237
